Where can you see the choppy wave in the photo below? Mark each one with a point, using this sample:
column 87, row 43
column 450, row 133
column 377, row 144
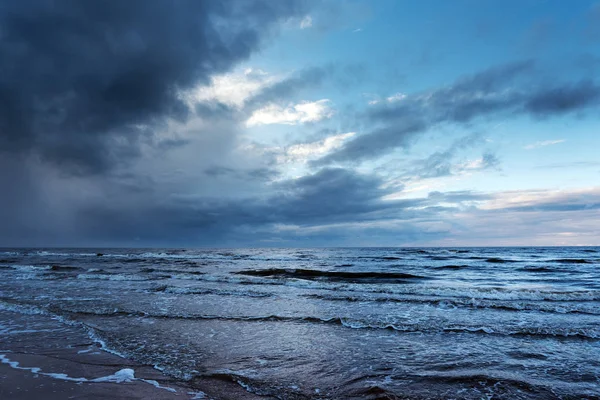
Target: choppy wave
column 571, row 261
column 167, row 304
column 31, row 268
column 121, row 277
column 498, row 260
column 531, row 268
column 202, row 291
column 64, row 268
column 452, row 267
column 585, row 332
column 344, row 276
column 499, row 293
column 590, row 308
column 171, row 271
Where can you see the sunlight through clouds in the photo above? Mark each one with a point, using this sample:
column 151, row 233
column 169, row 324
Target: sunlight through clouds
column 291, row 115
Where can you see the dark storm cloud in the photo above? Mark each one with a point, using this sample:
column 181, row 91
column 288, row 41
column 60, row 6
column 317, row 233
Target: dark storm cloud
column 214, row 110
column 259, row 174
column 81, row 82
column 328, row 195
column 331, row 195
column 326, row 204
column 489, row 93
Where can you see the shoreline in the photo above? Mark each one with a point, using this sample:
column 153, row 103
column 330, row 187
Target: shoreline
column 42, row 357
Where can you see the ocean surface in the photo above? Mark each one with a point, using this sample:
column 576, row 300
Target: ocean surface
column 333, row 323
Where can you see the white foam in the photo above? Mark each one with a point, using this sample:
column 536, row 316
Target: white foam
column 117, row 277
column 123, row 375
column 157, row 385
column 55, row 254
column 38, row 371
column 8, row 331
column 198, row 395
column 31, row 267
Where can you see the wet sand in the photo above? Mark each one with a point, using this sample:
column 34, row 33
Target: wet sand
column 45, row 358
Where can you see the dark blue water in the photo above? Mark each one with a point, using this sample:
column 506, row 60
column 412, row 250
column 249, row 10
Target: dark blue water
column 502, row 323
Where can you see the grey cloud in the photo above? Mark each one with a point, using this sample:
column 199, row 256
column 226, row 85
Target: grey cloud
column 436, row 165
column 330, row 196
column 490, row 79
column 283, row 90
column 558, row 207
column 217, row 171
column 305, row 78
column 490, row 160
column 261, row 174
column 166, row 144
column 562, row 203
column 374, row 144
column 457, row 196
column 214, row 110
column 327, row 195
column 563, row 99
column 466, row 99
column 81, row 82
column 489, row 93
column 340, row 76
column 441, row 163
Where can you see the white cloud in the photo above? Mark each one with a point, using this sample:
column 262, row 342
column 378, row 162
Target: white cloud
column 412, row 190
column 306, row 151
column 396, row 97
column 469, row 165
column 357, row 30
column 390, row 99
column 306, row 22
column 291, row 115
column 234, row 88
column 543, row 144
column 531, row 198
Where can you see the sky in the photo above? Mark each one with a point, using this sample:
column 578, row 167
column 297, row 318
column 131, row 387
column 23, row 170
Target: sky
column 299, row 123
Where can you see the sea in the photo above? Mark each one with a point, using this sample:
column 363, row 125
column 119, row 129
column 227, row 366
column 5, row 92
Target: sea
column 332, row 323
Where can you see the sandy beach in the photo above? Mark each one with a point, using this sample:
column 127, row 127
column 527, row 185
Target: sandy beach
column 42, row 357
